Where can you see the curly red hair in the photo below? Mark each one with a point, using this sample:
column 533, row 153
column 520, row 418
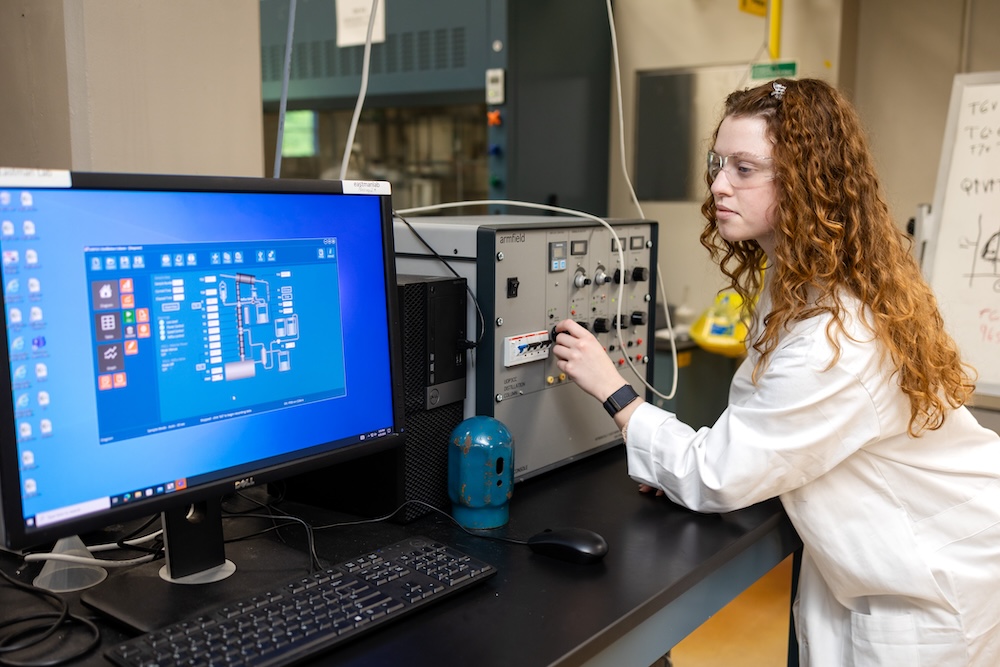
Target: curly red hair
column 833, row 233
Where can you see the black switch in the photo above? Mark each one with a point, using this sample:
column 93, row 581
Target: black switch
column 512, row 285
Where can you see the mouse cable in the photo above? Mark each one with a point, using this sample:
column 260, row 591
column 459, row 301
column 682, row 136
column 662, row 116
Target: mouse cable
column 427, row 506
column 314, row 561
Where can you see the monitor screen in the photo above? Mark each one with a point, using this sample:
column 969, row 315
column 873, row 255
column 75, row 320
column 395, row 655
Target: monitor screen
column 171, row 338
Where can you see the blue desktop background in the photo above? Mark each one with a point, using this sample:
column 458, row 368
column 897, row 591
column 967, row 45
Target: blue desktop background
column 68, row 464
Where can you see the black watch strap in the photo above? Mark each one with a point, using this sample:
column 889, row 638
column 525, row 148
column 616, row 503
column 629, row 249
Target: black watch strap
column 620, row 399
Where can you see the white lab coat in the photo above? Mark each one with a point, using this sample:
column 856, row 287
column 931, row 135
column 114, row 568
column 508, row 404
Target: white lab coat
column 901, row 558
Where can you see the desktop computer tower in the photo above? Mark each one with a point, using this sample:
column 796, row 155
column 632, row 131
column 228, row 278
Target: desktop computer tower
column 433, row 321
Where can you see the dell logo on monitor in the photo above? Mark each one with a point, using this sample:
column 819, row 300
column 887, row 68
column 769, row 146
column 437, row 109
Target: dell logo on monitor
column 244, row 483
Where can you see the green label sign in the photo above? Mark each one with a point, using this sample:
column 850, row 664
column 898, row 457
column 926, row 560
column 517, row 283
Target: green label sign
column 773, row 70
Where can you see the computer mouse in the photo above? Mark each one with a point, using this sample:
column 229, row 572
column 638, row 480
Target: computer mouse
column 576, row 545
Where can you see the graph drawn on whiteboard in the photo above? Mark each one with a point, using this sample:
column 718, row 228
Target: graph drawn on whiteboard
column 963, row 257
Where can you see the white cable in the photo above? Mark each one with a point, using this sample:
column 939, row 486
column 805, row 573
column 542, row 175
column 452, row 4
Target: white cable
column 110, row 546
column 621, row 114
column 286, row 73
column 567, row 211
column 361, row 95
column 635, row 199
column 84, row 560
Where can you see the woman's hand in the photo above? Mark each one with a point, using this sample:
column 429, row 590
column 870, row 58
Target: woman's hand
column 582, row 357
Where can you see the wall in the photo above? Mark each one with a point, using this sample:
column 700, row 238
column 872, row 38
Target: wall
column 104, row 85
column 655, row 35
column 911, row 52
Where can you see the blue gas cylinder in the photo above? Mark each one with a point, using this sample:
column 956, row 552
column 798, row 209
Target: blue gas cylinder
column 480, row 472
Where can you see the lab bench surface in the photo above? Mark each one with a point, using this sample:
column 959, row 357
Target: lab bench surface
column 666, row 572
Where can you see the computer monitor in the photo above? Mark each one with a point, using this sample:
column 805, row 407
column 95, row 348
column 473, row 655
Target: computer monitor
column 170, row 339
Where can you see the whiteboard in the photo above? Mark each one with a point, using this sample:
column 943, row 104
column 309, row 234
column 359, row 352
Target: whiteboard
column 964, row 236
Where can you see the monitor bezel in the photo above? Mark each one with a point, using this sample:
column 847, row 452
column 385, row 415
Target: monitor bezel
column 13, row 535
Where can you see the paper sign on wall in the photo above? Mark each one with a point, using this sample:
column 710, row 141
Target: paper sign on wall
column 352, row 22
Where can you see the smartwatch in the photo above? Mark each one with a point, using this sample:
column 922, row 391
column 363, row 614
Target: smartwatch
column 620, row 399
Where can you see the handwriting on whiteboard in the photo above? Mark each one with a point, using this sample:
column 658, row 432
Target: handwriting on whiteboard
column 980, row 134
column 989, row 325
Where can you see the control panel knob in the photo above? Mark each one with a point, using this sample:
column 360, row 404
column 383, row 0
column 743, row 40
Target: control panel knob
column 640, row 274
column 581, row 279
column 601, row 325
column 600, row 277
column 638, row 318
column 619, row 275
column 621, row 325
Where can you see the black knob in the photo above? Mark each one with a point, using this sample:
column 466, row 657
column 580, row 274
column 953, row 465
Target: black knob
column 618, row 276
column 640, row 274
column 584, row 324
column 622, row 325
column 638, row 318
column 601, row 325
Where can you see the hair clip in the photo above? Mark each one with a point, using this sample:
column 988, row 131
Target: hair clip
column 779, row 90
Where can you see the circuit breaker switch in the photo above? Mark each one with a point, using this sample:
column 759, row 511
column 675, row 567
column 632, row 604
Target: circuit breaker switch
column 525, row 348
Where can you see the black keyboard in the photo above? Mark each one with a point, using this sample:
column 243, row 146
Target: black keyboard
column 314, row 613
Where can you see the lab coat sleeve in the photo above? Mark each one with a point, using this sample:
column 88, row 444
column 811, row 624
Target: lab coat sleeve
column 797, row 423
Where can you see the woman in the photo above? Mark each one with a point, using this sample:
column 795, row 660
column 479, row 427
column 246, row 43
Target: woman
column 849, row 406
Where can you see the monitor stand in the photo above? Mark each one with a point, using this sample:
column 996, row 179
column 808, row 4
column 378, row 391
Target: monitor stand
column 201, row 572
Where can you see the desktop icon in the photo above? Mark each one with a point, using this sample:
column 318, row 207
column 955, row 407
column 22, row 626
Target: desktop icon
column 43, row 399
column 45, row 426
column 30, row 487
column 34, row 285
column 7, row 228
column 27, row 458
column 41, row 371
column 28, row 227
column 26, row 199
column 13, row 286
